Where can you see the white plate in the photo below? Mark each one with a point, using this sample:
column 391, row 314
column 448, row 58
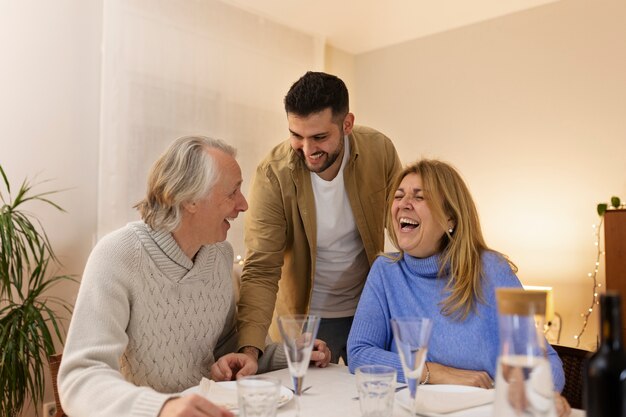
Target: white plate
column 475, row 402
column 285, row 394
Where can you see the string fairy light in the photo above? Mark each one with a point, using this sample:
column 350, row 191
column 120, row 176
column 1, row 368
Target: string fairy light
column 596, row 285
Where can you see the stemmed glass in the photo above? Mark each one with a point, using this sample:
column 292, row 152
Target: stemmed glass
column 411, row 335
column 298, row 332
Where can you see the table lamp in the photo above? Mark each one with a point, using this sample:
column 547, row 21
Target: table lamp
column 549, row 318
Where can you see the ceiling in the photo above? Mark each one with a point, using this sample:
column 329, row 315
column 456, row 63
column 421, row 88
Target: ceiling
column 359, row 26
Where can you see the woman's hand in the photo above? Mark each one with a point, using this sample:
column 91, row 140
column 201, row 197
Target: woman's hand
column 233, row 365
column 192, row 406
column 516, row 393
column 441, row 374
column 563, row 408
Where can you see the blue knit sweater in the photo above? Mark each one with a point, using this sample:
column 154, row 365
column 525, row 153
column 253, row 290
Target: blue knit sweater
column 410, row 287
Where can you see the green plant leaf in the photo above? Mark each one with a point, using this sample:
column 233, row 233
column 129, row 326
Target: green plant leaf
column 615, row 201
column 29, row 320
column 601, row 209
column 6, row 182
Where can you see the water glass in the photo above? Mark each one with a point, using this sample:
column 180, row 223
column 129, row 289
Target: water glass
column 258, row 396
column 376, row 386
column 524, row 384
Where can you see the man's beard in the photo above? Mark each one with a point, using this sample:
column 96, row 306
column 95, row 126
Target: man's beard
column 330, row 160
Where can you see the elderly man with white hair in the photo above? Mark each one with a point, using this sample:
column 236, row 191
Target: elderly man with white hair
column 156, row 306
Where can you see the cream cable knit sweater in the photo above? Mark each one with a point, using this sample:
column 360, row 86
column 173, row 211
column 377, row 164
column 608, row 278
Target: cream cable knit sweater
column 147, row 322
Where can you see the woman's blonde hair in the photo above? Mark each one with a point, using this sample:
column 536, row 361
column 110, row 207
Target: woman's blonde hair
column 185, row 172
column 449, row 200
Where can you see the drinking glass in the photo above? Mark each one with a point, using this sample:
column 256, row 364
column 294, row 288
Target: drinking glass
column 524, row 384
column 258, row 396
column 376, row 386
column 411, row 335
column 298, row 333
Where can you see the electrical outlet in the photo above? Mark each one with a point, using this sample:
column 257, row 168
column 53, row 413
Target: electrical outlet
column 49, row 409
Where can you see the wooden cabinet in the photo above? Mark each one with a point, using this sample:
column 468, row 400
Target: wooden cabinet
column 615, row 256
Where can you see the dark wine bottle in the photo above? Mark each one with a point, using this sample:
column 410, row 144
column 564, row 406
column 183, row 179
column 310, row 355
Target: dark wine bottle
column 606, row 368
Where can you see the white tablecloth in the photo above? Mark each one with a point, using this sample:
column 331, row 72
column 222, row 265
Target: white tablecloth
column 332, row 392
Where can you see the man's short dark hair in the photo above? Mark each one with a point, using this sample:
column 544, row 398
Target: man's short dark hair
column 315, row 92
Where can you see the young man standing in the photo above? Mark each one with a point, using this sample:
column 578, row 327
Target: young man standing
column 316, row 217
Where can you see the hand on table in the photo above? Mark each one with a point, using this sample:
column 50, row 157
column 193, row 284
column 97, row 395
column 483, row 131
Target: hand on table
column 516, row 393
column 192, row 406
column 518, row 400
column 563, row 408
column 320, row 354
column 521, row 397
column 233, row 365
column 441, row 374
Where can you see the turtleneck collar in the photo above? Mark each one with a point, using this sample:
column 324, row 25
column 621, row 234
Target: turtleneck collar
column 423, row 267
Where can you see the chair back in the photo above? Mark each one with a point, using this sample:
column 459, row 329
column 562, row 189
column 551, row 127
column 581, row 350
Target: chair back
column 573, row 364
column 55, row 362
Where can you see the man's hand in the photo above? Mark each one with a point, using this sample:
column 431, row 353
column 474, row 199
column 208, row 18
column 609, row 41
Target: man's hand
column 233, row 365
column 192, row 406
column 320, row 354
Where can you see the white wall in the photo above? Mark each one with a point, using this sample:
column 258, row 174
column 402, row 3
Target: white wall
column 49, row 115
column 178, row 68
column 342, row 64
column 530, row 108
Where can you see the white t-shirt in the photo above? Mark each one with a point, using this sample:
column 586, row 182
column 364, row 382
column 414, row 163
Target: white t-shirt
column 341, row 264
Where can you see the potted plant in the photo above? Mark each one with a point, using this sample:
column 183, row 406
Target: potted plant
column 615, row 204
column 29, row 320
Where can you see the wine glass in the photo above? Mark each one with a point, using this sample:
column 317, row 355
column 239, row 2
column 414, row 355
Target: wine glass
column 298, row 332
column 411, row 335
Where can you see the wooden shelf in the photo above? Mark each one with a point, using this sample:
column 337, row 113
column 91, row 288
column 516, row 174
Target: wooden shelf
column 615, row 256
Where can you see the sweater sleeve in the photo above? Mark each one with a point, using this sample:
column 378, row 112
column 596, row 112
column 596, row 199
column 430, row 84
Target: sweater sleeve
column 370, row 337
column 90, row 382
column 558, row 375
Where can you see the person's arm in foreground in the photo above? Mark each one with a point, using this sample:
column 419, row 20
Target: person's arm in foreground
column 192, row 406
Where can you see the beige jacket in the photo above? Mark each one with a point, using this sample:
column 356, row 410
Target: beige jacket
column 280, row 228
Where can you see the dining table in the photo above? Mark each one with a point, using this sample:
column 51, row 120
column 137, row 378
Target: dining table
column 332, row 392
